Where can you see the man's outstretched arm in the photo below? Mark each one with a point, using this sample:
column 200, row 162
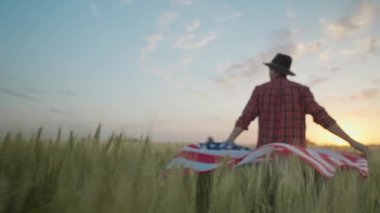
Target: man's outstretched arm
column 250, row 112
column 335, row 129
column 321, row 117
column 235, row 133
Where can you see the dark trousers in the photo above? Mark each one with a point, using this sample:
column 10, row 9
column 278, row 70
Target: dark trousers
column 203, row 193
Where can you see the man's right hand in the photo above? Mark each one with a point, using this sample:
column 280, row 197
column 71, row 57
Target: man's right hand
column 229, row 142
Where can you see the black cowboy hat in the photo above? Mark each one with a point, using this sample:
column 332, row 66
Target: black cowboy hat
column 281, row 63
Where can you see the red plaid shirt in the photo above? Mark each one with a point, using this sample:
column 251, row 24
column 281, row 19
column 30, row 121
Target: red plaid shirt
column 281, row 106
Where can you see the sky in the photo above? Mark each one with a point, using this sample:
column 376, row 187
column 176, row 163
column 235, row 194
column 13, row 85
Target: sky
column 183, row 70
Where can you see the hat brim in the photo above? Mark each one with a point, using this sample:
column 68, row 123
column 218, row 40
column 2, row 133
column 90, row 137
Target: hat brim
column 280, row 69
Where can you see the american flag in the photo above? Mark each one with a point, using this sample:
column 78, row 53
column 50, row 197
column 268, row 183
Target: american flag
column 206, row 157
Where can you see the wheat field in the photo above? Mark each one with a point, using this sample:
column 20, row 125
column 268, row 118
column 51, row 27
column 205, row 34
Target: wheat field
column 123, row 175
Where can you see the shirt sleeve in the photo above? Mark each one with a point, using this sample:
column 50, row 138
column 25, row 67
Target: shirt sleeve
column 319, row 114
column 250, row 112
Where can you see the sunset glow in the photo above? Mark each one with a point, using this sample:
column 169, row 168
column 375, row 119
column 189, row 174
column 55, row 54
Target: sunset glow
column 355, row 131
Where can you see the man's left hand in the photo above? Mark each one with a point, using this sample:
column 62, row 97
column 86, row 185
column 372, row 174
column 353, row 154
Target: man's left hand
column 362, row 148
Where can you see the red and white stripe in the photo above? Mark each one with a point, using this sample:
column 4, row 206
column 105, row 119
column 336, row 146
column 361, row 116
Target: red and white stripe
column 325, row 161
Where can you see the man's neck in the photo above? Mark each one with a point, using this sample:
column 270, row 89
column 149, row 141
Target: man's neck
column 278, row 78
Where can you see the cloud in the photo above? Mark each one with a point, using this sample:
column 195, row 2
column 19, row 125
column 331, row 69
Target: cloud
column 19, row 95
column 363, row 14
column 224, row 67
column 65, row 92
column 317, row 81
column 193, row 26
column 363, row 95
column 237, row 15
column 168, row 71
column 362, row 46
column 231, row 16
column 33, row 90
column 167, row 18
column 279, row 36
column 234, row 72
column 95, row 10
column 366, row 94
column 186, row 61
column 365, row 112
column 125, row 1
column 324, row 57
column 153, row 42
column 335, row 69
column 61, row 112
column 311, row 47
column 291, row 14
column 184, row 41
column 191, row 41
column 201, row 94
column 329, row 70
column 190, row 38
column 283, row 36
column 285, row 41
column 155, row 39
column 183, row 2
column 374, row 44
